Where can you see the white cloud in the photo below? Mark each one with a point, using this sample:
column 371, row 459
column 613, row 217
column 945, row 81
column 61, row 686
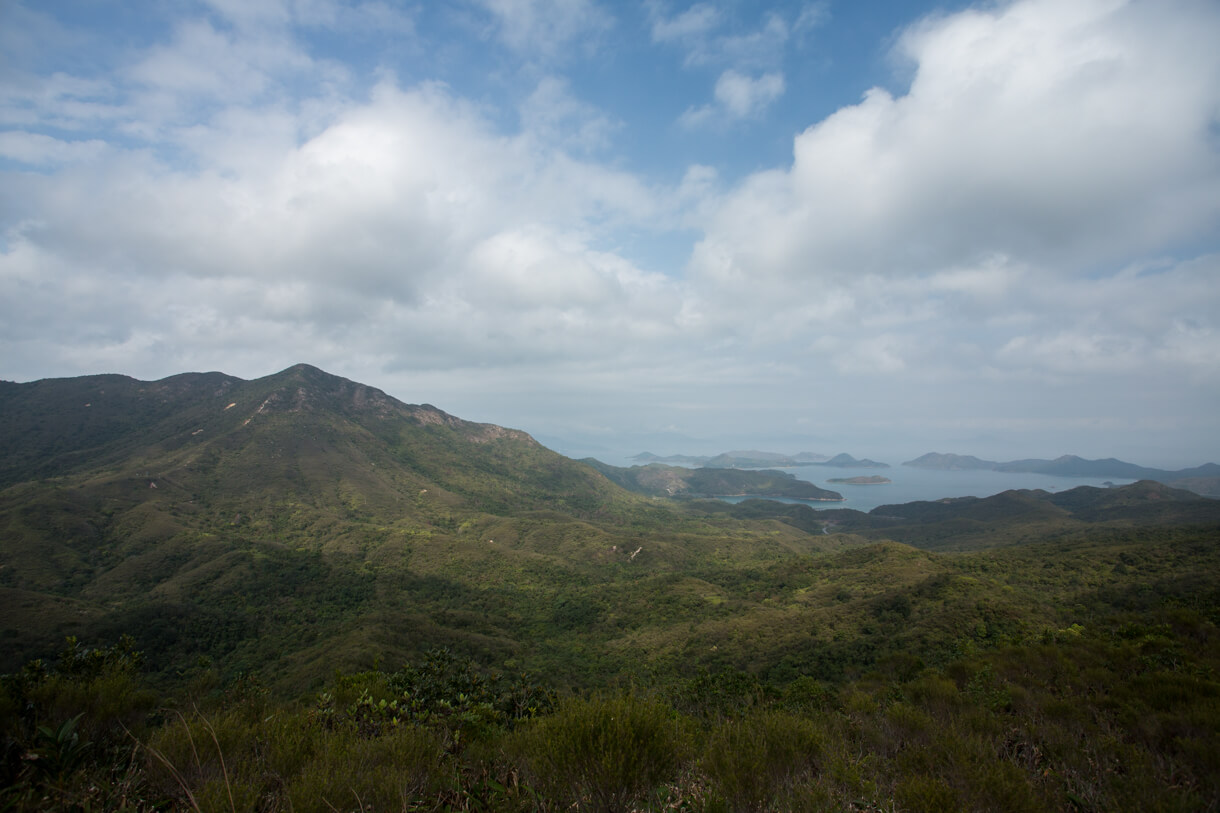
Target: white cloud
column 812, row 16
column 1048, row 135
column 705, row 34
column 40, row 150
column 255, row 16
column 406, row 231
column 744, row 97
column 555, row 116
column 866, row 356
column 545, row 29
column 694, row 24
column 737, row 97
column 1018, row 228
column 751, row 79
column 527, row 268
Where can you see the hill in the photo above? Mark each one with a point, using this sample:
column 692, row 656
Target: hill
column 846, row 461
column 298, row 593
column 297, row 431
column 1203, row 480
column 954, row 462
column 289, row 522
column 659, row 480
column 1022, row 516
column 294, row 520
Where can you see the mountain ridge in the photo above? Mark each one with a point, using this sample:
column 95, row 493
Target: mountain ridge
column 302, row 522
column 1204, row 478
column 212, row 515
column 1011, row 517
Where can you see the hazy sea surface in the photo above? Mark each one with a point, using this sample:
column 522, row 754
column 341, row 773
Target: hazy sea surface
column 911, row 484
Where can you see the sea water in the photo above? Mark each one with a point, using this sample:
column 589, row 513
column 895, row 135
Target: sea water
column 910, row 484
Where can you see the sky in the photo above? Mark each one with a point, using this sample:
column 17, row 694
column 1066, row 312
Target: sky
column 884, row 228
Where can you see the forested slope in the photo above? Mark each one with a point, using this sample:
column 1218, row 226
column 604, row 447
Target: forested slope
column 297, row 593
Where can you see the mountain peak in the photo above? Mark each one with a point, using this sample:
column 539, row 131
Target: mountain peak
column 304, row 387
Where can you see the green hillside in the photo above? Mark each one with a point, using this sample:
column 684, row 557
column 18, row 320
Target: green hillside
column 660, row 480
column 298, row 593
column 214, row 516
column 1024, row 516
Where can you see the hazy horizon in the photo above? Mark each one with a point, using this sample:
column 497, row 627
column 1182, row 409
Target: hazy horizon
column 882, row 229
column 619, row 453
column 618, row 448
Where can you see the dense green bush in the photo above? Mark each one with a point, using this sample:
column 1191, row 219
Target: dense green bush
column 69, row 729
column 876, row 678
column 399, row 770
column 755, row 762
column 605, row 753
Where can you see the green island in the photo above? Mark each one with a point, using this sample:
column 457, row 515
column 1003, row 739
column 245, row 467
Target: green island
column 870, row 480
column 659, row 480
column 296, row 593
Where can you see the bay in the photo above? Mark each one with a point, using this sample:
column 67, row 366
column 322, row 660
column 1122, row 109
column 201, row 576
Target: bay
column 911, row 484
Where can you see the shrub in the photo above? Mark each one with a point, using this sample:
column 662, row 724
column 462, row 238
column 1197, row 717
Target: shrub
column 64, row 728
column 755, row 761
column 392, row 771
column 920, row 792
column 284, row 761
column 603, row 752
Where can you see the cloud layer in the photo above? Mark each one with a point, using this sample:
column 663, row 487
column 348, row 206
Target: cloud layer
column 1019, row 242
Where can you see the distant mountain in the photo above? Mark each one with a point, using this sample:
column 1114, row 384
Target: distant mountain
column 692, row 460
column 949, row 462
column 741, row 459
column 749, row 459
column 846, row 461
column 1203, row 480
column 1073, row 466
column 660, row 480
column 301, row 432
column 1205, row 486
column 753, row 459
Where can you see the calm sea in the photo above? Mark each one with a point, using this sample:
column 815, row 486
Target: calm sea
column 911, row 484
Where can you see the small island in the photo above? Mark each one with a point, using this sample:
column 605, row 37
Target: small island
column 871, row 480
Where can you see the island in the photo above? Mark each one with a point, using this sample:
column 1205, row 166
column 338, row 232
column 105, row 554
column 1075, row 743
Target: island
column 870, row 480
column 660, row 480
column 1202, row 480
column 754, row 459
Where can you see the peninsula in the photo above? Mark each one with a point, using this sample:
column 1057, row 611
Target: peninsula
column 660, row 480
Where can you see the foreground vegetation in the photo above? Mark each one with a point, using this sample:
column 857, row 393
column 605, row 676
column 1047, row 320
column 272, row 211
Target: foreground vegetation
column 1122, row 719
column 925, row 705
